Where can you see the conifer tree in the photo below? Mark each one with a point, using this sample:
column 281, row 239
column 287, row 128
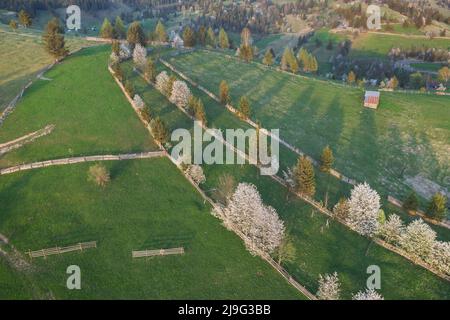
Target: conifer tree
column 54, row 40
column 160, row 32
column 150, row 70
column 119, row 28
column 304, row 175
column 188, row 37
column 135, row 34
column 210, row 38
column 411, row 202
column 106, row 30
column 268, row 58
column 326, row 160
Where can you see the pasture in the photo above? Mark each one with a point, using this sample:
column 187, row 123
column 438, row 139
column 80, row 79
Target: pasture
column 407, row 136
column 22, row 57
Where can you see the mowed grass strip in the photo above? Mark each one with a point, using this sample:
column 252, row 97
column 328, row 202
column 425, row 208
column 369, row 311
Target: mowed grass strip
column 90, row 113
column 319, row 249
column 147, row 205
column 408, row 134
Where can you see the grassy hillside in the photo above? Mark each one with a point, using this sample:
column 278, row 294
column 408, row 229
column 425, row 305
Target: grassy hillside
column 89, row 111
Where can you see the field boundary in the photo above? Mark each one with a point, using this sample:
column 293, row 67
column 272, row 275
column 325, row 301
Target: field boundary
column 64, row 161
column 327, row 212
column 264, row 256
column 59, row 250
column 157, row 252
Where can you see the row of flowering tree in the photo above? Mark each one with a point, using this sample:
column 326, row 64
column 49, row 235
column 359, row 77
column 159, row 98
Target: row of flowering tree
column 330, row 289
column 362, row 212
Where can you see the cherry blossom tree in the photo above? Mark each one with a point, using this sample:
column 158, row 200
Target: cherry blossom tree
column 418, row 239
column 329, row 287
column 140, row 56
column 260, row 224
column 364, row 205
column 392, row 229
column 180, row 93
column 369, row 294
column 162, row 81
column 196, row 173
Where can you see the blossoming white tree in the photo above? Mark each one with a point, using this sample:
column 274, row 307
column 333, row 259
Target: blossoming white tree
column 260, row 224
column 440, row 257
column 162, row 81
column 180, row 93
column 418, row 239
column 364, row 205
column 392, row 229
column 369, row 294
column 329, row 287
column 140, row 56
column 196, row 173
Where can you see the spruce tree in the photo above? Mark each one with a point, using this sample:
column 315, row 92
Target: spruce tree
column 411, row 202
column 437, row 209
column 54, row 40
column 326, row 160
column 25, row 18
column 135, row 34
column 304, row 175
column 201, row 35
column 160, row 32
column 159, row 130
column 210, row 38
column 223, row 39
column 188, row 37
column 106, row 31
column 119, row 28
column 224, row 93
column 150, row 70
column 200, row 112
column 268, row 58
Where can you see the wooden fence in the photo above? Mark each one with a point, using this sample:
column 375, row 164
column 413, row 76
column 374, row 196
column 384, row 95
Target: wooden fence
column 48, row 163
column 59, row 250
column 157, row 252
